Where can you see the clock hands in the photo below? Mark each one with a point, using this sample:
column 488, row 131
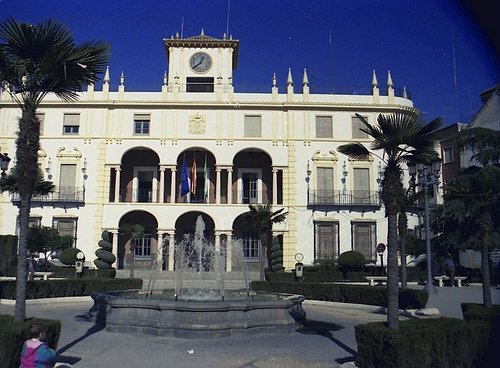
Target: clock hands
column 199, row 62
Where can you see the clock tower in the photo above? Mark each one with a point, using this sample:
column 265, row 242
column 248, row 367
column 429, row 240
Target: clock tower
column 199, row 63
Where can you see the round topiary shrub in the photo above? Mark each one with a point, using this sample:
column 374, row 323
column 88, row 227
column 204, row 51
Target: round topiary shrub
column 68, row 256
column 351, row 260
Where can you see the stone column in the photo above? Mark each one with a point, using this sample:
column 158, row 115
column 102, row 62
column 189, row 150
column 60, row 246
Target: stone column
column 162, row 184
column 159, row 246
column 117, row 184
column 173, row 180
column 115, row 245
column 275, row 186
column 230, row 185
column 171, row 250
column 218, row 185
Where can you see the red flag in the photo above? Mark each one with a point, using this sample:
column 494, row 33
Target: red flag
column 193, row 176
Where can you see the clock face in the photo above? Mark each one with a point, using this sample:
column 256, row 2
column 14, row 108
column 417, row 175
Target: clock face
column 200, row 62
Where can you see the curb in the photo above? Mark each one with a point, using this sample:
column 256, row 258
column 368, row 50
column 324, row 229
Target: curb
column 62, row 300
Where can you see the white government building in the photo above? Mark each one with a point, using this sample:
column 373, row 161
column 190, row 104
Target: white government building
column 116, row 158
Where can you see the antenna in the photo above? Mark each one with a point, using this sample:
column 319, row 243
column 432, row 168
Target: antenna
column 227, row 23
column 182, row 27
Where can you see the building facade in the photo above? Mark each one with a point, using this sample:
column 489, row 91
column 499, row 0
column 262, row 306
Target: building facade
column 120, row 157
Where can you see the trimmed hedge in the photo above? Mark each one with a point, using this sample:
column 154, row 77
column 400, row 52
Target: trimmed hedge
column 317, row 274
column 70, row 272
column 8, row 255
column 359, row 294
column 491, row 318
column 13, row 334
column 421, row 343
column 67, row 287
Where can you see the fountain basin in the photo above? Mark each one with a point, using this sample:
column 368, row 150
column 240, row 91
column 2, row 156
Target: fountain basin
column 269, row 313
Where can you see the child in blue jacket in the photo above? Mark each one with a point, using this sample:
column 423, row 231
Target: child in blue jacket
column 35, row 353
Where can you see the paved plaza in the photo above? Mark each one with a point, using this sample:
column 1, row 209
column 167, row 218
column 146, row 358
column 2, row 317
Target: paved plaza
column 326, row 340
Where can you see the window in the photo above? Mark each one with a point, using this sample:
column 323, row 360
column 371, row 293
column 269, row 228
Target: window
column 142, row 250
column 363, row 238
column 67, row 181
column 326, row 240
column 35, row 221
column 447, row 155
column 357, row 125
column 66, row 226
column 324, row 127
column 250, row 241
column 71, row 124
column 41, row 119
column 324, row 185
column 199, row 84
column 253, row 126
column 361, row 185
column 141, row 124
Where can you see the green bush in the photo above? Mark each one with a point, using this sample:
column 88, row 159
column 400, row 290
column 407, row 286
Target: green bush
column 105, row 257
column 40, row 289
column 13, row 334
column 478, row 313
column 351, row 260
column 422, row 343
column 276, row 255
column 358, row 294
column 8, row 255
column 68, row 256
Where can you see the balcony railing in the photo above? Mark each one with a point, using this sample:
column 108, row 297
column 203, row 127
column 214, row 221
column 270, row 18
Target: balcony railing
column 342, row 198
column 61, row 195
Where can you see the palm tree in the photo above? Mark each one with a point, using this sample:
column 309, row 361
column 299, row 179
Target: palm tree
column 133, row 232
column 36, row 60
column 472, row 200
column 262, row 218
column 41, row 186
column 401, row 137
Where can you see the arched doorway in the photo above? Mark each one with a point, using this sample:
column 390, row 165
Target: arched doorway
column 146, row 246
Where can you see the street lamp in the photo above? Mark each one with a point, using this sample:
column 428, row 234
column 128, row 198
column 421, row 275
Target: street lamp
column 308, row 179
column 4, row 163
column 426, row 176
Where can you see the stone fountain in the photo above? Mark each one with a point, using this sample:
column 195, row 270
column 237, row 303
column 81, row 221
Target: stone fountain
column 200, row 306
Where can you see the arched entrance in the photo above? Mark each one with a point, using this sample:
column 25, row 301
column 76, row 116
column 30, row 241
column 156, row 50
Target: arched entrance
column 146, row 246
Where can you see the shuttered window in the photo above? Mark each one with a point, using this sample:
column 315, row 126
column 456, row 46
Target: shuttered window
column 67, row 181
column 253, row 126
column 363, row 238
column 324, row 127
column 41, row 119
column 71, row 124
column 361, row 185
column 326, row 240
column 141, row 124
column 357, row 125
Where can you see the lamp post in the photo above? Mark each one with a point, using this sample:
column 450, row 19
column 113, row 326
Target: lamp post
column 4, row 163
column 426, row 176
column 308, row 179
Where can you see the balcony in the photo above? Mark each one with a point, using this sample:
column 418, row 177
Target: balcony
column 349, row 199
column 62, row 196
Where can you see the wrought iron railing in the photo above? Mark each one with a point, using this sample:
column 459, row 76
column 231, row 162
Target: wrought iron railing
column 344, row 198
column 60, row 195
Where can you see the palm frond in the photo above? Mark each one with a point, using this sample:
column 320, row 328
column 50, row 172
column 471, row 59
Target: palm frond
column 355, row 151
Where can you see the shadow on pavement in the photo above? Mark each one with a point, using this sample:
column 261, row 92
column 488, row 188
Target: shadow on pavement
column 311, row 327
column 92, row 330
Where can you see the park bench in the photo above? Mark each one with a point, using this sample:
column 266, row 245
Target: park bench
column 380, row 280
column 43, row 275
column 442, row 278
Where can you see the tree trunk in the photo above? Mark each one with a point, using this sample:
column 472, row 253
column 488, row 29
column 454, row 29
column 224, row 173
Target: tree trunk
column 132, row 255
column 485, row 270
column 392, row 274
column 22, row 256
column 27, row 145
column 402, row 229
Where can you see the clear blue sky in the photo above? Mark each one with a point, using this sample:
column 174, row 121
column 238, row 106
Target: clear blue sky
column 432, row 47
